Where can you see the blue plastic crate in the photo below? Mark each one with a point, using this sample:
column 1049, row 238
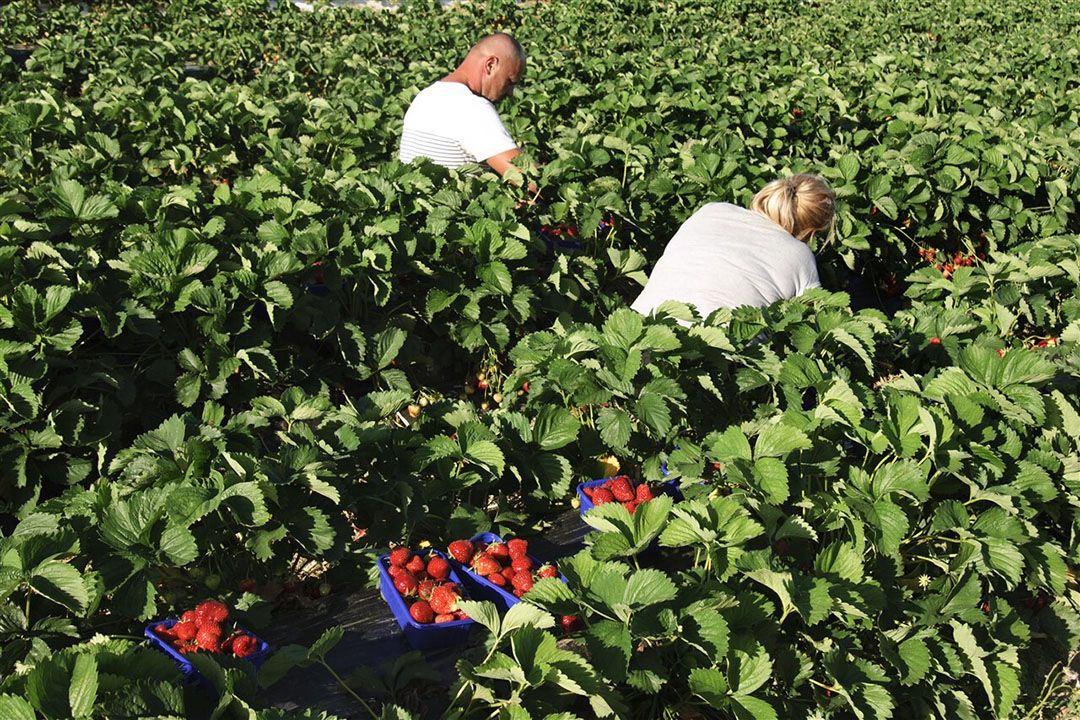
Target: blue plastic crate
column 429, row 636
column 191, row 675
column 669, row 487
column 482, row 588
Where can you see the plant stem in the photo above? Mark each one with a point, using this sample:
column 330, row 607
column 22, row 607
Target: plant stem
column 348, row 689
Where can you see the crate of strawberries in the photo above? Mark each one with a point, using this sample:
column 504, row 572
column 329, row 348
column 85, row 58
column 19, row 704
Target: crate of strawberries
column 621, row 489
column 499, row 571
column 205, row 629
column 422, row 590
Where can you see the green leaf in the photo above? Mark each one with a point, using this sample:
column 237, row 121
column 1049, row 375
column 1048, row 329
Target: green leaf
column 496, row 276
column 623, row 328
column 554, row 428
column 780, row 440
column 915, row 656
column 750, row 672
column 524, row 614
column 614, row 425
column 746, row 707
column 654, row 412
column 772, row 477
column 711, row 685
column 82, row 693
column 729, row 445
column 62, row 584
column 13, row 707
column 487, row 453
column 326, row 642
column 840, row 559
column 648, row 587
column 484, row 613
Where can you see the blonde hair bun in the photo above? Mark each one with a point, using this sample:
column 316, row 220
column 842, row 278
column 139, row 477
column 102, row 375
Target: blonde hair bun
column 801, row 204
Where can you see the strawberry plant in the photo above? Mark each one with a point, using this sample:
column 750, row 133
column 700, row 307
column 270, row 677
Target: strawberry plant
column 243, row 351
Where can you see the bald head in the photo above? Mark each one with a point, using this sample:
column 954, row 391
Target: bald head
column 499, row 45
column 493, row 67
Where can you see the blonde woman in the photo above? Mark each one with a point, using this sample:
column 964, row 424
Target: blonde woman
column 728, row 256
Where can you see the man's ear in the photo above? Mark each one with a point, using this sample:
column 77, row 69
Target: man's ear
column 490, row 64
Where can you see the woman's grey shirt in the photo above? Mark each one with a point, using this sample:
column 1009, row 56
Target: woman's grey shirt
column 727, row 256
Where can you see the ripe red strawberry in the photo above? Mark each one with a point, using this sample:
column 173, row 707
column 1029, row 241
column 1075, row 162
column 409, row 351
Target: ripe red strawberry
column 169, row 633
column 212, row 611
column 622, row 489
column 522, row 564
column 189, row 616
column 522, row 582
column 424, row 588
column 498, row 579
column 588, row 492
column 569, row 623
column 395, row 571
column 415, row 565
column 547, row 571
column 460, row 615
column 462, row 551
column 444, row 599
column 630, row 506
column 935, row 341
column 498, row 550
column 438, row 568
column 601, row 496
column 517, row 547
column 509, row 573
column 185, row 631
column 209, row 638
column 486, row 565
column 421, row 612
column 643, row 493
column 400, row 556
column 406, row 583
column 244, row 645
column 444, row 618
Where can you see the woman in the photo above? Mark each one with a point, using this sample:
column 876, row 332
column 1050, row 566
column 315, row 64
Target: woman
column 727, row 256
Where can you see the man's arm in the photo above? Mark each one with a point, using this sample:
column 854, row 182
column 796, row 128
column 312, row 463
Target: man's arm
column 501, row 163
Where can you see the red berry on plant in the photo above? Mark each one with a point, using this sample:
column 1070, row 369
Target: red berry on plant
column 643, row 493
column 569, row 623
column 935, row 341
column 547, row 571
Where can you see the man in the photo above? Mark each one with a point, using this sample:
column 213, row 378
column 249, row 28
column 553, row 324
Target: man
column 453, row 122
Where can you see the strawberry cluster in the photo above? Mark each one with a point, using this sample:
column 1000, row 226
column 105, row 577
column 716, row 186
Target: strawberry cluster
column 506, row 564
column 436, row 597
column 203, row 629
column 619, row 489
column 947, row 265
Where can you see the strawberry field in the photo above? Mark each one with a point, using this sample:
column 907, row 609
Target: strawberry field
column 244, row 353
